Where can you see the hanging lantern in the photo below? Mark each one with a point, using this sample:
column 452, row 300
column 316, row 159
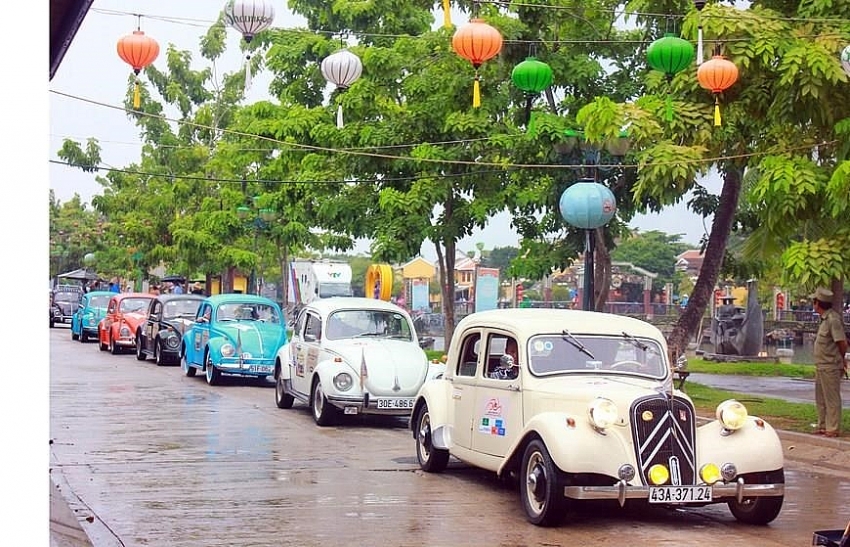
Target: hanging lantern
column 845, row 60
column 477, row 42
column 138, row 51
column 670, row 55
column 532, row 77
column 699, row 4
column 717, row 75
column 249, row 17
column 341, row 69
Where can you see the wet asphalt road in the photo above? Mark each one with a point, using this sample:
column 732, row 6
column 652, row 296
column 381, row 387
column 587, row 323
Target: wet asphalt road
column 788, row 389
column 152, row 457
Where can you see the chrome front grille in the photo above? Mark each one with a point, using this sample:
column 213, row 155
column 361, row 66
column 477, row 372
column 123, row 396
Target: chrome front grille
column 664, row 432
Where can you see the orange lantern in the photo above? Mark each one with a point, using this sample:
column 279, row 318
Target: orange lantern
column 477, row 42
column 717, row 75
column 138, row 51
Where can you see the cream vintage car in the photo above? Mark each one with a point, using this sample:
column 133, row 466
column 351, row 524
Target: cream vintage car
column 352, row 355
column 589, row 411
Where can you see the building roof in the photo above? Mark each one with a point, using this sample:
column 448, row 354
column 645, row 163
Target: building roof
column 690, row 261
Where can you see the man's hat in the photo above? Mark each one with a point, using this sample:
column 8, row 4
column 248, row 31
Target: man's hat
column 824, row 295
column 197, row 285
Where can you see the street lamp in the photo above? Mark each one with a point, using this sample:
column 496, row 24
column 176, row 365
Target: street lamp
column 587, row 204
column 262, row 217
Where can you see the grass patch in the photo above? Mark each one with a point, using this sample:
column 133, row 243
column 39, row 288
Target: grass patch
column 749, row 368
column 778, row 413
column 434, row 354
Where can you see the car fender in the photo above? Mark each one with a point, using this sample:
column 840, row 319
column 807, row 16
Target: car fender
column 437, row 395
column 214, row 348
column 576, row 448
column 327, row 369
column 283, row 370
column 752, row 448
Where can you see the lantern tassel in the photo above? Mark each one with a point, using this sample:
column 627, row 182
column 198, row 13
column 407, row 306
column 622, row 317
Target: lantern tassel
column 247, row 72
column 699, row 45
column 447, row 14
column 716, row 111
column 669, row 108
column 137, row 95
column 476, row 93
column 339, row 116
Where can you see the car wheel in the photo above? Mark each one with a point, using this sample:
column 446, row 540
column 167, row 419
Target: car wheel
column 761, row 510
column 431, row 459
column 157, row 354
column 323, row 412
column 73, row 335
column 140, row 353
column 101, row 345
column 51, row 322
column 213, row 374
column 188, row 369
column 540, row 486
column 281, row 398
column 113, row 349
column 83, row 337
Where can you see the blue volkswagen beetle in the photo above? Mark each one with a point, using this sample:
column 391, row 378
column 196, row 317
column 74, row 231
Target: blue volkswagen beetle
column 235, row 334
column 88, row 314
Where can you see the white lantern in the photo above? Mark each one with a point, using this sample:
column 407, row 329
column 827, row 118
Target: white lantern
column 341, row 69
column 248, row 17
column 845, row 60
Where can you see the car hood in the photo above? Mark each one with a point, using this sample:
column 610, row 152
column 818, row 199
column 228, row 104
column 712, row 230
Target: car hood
column 134, row 319
column 261, row 340
column 575, row 392
column 66, row 307
column 393, row 367
column 179, row 324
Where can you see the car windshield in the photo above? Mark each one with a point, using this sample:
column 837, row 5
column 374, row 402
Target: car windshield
column 67, row 296
column 131, row 305
column 376, row 323
column 247, row 311
column 578, row 353
column 327, row 290
column 99, row 301
column 180, row 308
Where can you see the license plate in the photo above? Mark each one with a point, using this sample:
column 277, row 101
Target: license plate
column 679, row 494
column 350, row 410
column 260, row 368
column 396, row 403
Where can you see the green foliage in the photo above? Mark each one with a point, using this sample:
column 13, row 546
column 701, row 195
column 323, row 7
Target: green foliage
column 653, row 251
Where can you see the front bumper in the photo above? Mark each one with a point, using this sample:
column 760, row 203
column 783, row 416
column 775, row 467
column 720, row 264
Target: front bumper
column 368, row 404
column 721, row 492
column 250, row 367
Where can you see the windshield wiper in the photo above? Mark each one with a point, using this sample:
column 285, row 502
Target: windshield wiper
column 638, row 344
column 566, row 335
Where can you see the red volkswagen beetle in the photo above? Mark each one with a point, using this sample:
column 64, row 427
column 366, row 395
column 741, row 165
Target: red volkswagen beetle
column 125, row 313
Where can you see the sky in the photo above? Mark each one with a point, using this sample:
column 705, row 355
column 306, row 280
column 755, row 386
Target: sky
column 92, row 70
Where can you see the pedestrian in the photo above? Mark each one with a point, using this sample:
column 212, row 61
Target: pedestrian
column 830, row 363
column 197, row 288
column 177, row 288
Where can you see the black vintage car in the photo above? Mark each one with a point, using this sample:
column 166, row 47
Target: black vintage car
column 169, row 316
column 64, row 300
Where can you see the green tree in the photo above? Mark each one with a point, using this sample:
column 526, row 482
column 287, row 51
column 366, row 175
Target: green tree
column 654, row 251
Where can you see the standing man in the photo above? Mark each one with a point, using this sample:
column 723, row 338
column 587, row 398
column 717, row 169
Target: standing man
column 830, row 364
column 177, row 288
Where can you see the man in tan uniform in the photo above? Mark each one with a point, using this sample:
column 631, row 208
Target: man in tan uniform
column 830, row 364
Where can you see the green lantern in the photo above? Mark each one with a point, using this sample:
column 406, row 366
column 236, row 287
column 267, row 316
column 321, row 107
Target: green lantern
column 531, row 76
column 670, row 55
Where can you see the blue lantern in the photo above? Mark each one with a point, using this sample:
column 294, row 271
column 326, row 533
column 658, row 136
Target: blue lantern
column 587, row 205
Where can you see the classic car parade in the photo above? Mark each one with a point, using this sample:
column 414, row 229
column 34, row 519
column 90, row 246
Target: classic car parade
column 91, row 310
column 236, row 334
column 125, row 313
column 64, row 299
column 169, row 317
column 352, row 355
column 587, row 410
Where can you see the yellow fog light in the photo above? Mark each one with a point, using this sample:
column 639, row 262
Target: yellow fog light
column 710, row 473
column 658, row 474
column 732, row 414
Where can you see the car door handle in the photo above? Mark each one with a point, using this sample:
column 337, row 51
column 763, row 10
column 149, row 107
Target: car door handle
column 512, row 387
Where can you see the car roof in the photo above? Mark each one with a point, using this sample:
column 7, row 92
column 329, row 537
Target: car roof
column 123, row 295
column 218, row 299
column 326, row 305
column 98, row 293
column 184, row 296
column 530, row 321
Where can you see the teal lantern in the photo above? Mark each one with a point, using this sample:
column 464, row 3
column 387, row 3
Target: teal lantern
column 587, row 205
column 531, row 76
column 670, row 55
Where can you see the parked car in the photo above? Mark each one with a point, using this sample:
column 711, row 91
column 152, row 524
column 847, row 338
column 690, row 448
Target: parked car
column 235, row 334
column 169, row 317
column 64, row 299
column 587, row 410
column 353, row 356
column 125, row 313
column 89, row 312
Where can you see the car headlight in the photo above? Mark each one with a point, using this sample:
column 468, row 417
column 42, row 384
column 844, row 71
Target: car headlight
column 732, row 414
column 227, row 350
column 343, row 381
column 172, row 341
column 603, row 413
column 124, row 331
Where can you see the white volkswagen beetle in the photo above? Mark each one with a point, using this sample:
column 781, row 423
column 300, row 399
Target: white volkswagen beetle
column 352, row 356
column 587, row 409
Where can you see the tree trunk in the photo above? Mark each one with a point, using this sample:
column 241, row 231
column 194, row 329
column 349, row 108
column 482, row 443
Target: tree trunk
column 703, row 291
column 447, row 288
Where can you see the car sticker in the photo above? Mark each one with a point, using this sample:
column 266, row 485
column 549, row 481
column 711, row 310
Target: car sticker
column 493, row 421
